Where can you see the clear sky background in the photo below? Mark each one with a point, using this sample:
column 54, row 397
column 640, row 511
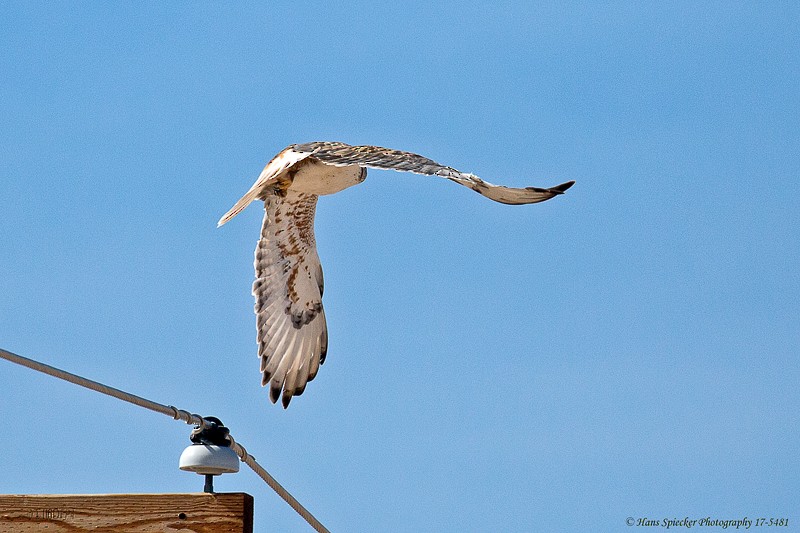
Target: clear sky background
column 630, row 349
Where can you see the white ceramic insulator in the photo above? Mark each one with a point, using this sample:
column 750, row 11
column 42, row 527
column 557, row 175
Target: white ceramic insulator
column 209, row 459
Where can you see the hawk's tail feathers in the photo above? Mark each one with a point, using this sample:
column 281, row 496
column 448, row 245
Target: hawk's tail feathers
column 243, row 202
column 268, row 177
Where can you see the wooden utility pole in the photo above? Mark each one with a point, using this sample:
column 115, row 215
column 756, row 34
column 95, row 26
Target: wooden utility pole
column 127, row 513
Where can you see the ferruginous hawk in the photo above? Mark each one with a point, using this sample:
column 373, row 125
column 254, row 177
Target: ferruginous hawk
column 292, row 335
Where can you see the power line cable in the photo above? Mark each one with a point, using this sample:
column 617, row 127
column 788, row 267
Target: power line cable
column 176, row 414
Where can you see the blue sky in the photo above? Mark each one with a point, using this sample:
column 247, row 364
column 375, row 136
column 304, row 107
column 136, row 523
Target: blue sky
column 628, row 349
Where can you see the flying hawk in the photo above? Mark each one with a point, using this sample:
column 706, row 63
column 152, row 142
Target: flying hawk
column 292, row 334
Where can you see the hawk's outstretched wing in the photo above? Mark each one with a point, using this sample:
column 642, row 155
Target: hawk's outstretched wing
column 292, row 334
column 340, row 154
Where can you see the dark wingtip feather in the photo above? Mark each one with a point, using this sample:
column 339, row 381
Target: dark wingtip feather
column 560, row 189
column 324, row 352
column 287, row 397
column 274, row 392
